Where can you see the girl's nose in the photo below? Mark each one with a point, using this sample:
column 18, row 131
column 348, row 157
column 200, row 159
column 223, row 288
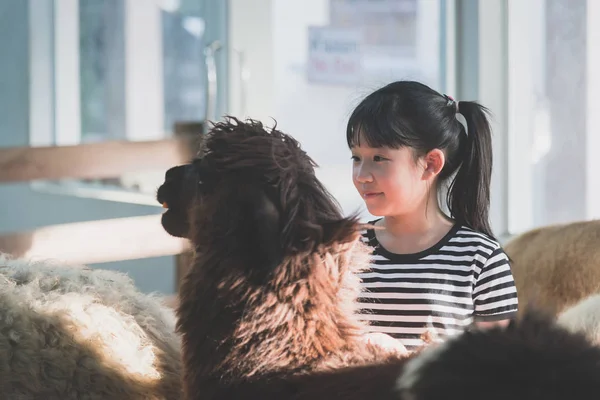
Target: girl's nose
column 362, row 175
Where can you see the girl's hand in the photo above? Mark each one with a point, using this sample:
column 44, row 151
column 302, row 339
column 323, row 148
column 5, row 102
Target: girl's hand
column 493, row 324
column 386, row 342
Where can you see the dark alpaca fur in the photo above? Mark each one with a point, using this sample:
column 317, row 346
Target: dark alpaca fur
column 532, row 359
column 267, row 310
column 272, row 289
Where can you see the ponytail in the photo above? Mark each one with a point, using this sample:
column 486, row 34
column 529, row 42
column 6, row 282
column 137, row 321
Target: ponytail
column 469, row 193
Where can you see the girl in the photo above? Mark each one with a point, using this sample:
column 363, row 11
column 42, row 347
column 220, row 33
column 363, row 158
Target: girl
column 430, row 271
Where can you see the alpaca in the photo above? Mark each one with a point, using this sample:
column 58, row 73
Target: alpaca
column 272, row 289
column 78, row 333
column 556, row 266
column 267, row 309
column 584, row 317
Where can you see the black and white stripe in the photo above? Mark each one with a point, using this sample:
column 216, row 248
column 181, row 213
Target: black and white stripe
column 464, row 277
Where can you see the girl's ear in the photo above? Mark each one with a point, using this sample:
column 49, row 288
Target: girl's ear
column 434, row 163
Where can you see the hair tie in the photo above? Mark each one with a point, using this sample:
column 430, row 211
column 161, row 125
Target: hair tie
column 451, row 102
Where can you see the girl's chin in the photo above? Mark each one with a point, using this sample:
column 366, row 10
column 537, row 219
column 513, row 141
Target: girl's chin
column 376, row 210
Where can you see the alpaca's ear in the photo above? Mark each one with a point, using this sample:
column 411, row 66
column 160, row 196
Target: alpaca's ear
column 342, row 231
column 264, row 232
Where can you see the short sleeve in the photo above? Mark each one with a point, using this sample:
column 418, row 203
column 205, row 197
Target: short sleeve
column 495, row 293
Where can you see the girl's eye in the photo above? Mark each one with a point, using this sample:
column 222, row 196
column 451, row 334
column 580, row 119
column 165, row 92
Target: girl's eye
column 355, row 158
column 378, row 158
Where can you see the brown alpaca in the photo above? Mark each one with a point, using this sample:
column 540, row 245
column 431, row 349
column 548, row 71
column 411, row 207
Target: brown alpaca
column 271, row 293
column 556, row 266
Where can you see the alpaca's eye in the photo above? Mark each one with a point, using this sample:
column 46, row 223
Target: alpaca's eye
column 199, row 182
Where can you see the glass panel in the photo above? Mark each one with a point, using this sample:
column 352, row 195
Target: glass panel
column 559, row 195
column 128, row 69
column 102, row 69
column 124, row 70
column 548, row 134
column 184, row 67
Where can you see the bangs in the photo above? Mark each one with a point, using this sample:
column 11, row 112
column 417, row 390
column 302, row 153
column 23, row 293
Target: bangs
column 376, row 123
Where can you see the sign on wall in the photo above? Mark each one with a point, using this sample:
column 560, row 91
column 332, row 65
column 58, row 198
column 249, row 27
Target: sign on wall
column 334, row 55
column 365, row 40
column 388, row 26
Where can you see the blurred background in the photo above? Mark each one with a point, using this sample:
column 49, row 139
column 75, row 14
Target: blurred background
column 97, row 98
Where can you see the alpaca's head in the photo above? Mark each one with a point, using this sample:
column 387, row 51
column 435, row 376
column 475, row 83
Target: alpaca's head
column 176, row 194
column 253, row 191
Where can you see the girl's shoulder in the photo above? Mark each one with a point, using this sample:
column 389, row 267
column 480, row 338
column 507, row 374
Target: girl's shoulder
column 460, row 241
column 467, row 234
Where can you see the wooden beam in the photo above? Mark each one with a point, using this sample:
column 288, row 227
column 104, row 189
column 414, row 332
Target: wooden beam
column 95, row 241
column 94, row 160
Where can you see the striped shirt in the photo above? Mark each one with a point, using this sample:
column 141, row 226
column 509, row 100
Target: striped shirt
column 463, row 278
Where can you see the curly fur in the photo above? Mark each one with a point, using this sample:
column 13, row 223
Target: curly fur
column 269, row 302
column 533, row 359
column 556, row 266
column 80, row 333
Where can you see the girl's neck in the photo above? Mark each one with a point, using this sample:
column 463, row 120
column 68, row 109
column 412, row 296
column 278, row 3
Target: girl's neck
column 414, row 232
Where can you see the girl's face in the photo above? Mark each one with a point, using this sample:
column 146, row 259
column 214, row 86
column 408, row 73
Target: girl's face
column 390, row 181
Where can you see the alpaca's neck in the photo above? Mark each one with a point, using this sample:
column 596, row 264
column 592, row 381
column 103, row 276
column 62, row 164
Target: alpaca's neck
column 238, row 330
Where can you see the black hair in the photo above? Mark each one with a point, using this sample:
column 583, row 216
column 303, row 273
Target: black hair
column 411, row 114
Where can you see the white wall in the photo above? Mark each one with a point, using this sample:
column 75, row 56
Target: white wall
column 273, row 36
column 250, row 34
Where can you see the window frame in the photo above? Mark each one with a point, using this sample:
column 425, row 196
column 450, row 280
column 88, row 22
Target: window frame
column 482, row 75
column 55, row 102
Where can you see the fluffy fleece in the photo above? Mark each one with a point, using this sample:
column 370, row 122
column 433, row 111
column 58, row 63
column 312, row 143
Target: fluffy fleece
column 584, row 317
column 80, row 333
column 556, row 266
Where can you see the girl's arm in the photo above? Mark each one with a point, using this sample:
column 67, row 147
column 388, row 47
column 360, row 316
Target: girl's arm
column 492, row 324
column 494, row 294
